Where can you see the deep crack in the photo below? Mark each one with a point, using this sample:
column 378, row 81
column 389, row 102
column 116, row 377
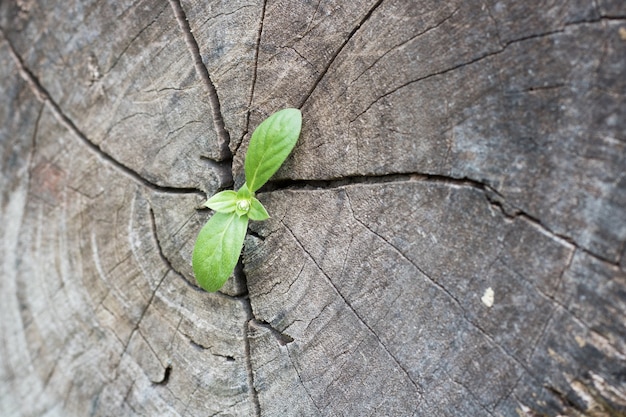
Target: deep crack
column 254, row 395
column 493, row 196
column 254, row 76
column 44, row 96
column 214, row 102
column 225, row 142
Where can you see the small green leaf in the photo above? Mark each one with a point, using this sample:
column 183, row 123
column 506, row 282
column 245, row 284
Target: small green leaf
column 244, row 193
column 223, row 202
column 271, row 143
column 217, row 249
column 257, row 211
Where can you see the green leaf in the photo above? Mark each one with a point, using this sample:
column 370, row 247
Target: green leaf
column 223, row 202
column 257, row 211
column 244, row 193
column 271, row 143
column 220, row 241
column 217, row 249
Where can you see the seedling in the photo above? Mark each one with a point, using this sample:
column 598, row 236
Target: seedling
column 220, row 241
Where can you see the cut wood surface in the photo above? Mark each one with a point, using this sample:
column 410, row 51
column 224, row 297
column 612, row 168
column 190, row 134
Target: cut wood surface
column 448, row 237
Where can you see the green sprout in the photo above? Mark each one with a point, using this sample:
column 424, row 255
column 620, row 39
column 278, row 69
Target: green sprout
column 220, row 241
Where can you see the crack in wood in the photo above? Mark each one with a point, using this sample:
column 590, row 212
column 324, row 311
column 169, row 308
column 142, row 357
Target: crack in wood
column 444, row 290
column 254, row 77
column 418, row 389
column 251, row 321
column 195, row 344
column 48, row 377
column 493, row 196
column 136, row 326
column 566, row 242
column 339, row 372
column 203, row 73
column 564, row 308
column 511, row 392
column 42, row 95
column 331, row 184
column 295, row 368
column 168, row 263
column 568, row 265
column 127, row 397
column 254, row 395
column 215, row 16
column 167, row 368
column 455, row 67
column 143, row 29
column 308, row 27
column 166, row 376
column 512, row 212
column 480, row 58
column 247, row 307
column 400, row 177
column 173, row 131
column 566, row 239
column 157, row 242
column 322, row 74
column 543, row 331
column 401, row 44
column 600, row 19
column 471, row 393
column 282, row 338
column 317, row 317
column 199, row 346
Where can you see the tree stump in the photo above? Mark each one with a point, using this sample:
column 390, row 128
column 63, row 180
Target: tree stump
column 447, row 238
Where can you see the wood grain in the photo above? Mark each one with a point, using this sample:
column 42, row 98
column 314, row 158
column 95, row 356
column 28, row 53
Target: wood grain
column 448, row 149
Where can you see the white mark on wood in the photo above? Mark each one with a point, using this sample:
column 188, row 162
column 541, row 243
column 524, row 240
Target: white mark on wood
column 488, row 297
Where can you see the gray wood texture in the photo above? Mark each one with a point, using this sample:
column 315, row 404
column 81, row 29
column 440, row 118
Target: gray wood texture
column 447, row 239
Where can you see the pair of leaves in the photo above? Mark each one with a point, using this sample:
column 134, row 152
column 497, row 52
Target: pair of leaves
column 220, row 241
column 241, row 202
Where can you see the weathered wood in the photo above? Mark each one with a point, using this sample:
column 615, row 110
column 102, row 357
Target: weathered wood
column 448, row 150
